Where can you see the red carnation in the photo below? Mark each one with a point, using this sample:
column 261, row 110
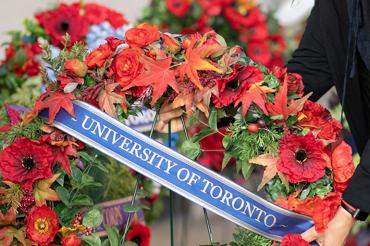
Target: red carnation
column 42, row 225
column 259, row 52
column 26, row 161
column 178, row 7
column 301, row 158
column 62, row 20
column 140, row 234
column 294, row 240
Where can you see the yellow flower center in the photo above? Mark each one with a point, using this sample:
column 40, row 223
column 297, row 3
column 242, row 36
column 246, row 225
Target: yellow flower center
column 41, row 225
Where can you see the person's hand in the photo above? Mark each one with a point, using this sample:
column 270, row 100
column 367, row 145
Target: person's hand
column 336, row 233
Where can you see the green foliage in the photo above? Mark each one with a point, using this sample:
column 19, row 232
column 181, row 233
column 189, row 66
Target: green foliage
column 243, row 237
column 191, row 149
column 35, row 29
column 93, row 218
column 274, row 188
column 113, row 235
column 92, row 240
column 31, row 130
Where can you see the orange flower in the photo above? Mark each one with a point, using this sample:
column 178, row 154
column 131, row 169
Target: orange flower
column 76, row 67
column 143, row 35
column 42, row 225
column 126, row 66
column 71, row 240
column 98, row 56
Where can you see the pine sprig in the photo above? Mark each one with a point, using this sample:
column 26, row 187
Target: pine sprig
column 243, row 237
column 31, row 130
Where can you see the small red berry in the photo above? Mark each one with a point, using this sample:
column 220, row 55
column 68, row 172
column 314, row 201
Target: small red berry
column 261, row 123
column 253, row 128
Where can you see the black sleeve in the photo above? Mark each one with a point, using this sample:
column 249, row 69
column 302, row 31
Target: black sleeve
column 310, row 60
column 357, row 192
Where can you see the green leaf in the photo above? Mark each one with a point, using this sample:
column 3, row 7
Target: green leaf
column 226, row 142
column 92, row 240
column 247, row 169
column 225, row 161
column 106, row 243
column 134, row 208
column 206, row 131
column 113, row 235
column 212, row 120
column 76, row 174
column 193, row 118
column 81, row 200
column 63, row 194
column 130, row 244
column 93, row 218
column 190, row 149
column 20, row 57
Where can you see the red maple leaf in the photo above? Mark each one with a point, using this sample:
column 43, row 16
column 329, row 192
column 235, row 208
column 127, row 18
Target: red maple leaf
column 55, row 101
column 255, row 94
column 281, row 105
column 14, row 118
column 158, row 74
column 61, row 156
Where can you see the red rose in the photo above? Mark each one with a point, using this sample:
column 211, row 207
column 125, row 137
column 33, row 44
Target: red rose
column 294, row 240
column 42, row 225
column 76, row 67
column 178, row 8
column 142, row 35
column 64, row 19
column 301, row 158
column 98, row 56
column 25, row 161
column 295, row 82
column 126, row 66
column 72, row 240
column 330, row 130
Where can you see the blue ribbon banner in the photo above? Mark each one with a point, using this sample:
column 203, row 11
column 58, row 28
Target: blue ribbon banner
column 179, row 173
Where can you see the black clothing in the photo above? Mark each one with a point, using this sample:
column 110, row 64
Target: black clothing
column 321, row 60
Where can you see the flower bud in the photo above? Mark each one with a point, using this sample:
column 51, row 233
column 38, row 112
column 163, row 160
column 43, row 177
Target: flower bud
column 76, row 67
column 171, row 44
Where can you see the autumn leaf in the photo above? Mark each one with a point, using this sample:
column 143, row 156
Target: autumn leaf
column 8, row 233
column 9, row 218
column 158, row 74
column 195, row 60
column 269, row 162
column 107, row 98
column 42, row 191
column 55, row 101
column 61, row 157
column 281, row 105
column 256, row 95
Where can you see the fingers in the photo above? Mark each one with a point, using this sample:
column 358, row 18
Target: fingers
column 310, row 235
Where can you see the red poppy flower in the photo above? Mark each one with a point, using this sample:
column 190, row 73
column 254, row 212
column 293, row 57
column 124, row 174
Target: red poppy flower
column 140, row 234
column 278, row 44
column 25, row 161
column 256, row 33
column 42, row 225
column 325, row 209
column 231, row 87
column 94, row 13
column 294, row 240
column 116, row 19
column 301, row 158
column 71, row 240
column 62, row 20
column 178, row 8
column 259, row 52
column 244, row 22
column 214, row 7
